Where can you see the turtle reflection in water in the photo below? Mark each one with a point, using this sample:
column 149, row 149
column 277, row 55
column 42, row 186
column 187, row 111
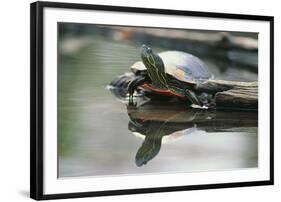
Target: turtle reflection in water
column 157, row 123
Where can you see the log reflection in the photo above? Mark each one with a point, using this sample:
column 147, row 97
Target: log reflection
column 155, row 122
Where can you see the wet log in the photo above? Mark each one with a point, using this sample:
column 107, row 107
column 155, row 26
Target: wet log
column 232, row 94
column 226, row 94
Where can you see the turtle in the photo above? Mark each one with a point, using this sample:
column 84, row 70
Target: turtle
column 171, row 73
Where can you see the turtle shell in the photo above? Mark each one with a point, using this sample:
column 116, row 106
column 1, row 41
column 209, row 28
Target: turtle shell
column 183, row 66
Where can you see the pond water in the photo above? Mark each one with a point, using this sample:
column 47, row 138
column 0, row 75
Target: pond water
column 99, row 135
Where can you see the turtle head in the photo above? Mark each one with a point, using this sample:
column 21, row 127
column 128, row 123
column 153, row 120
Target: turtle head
column 152, row 61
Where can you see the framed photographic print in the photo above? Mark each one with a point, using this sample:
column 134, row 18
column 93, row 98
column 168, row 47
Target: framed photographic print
column 134, row 100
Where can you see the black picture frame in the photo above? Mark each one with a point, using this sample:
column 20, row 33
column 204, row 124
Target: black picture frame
column 37, row 99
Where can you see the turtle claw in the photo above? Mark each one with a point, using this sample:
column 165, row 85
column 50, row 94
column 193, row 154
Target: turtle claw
column 192, row 97
column 131, row 102
column 132, row 86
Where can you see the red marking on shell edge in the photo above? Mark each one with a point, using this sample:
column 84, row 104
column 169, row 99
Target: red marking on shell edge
column 162, row 91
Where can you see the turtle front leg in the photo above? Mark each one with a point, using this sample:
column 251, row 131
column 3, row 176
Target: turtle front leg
column 193, row 98
column 132, row 86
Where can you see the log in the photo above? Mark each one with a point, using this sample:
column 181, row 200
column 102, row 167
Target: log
column 226, row 94
column 231, row 94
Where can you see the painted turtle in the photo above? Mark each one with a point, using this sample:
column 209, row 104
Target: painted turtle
column 173, row 73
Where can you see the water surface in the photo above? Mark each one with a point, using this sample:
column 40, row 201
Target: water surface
column 99, row 135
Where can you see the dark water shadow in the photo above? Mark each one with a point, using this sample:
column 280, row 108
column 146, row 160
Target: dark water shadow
column 156, row 120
